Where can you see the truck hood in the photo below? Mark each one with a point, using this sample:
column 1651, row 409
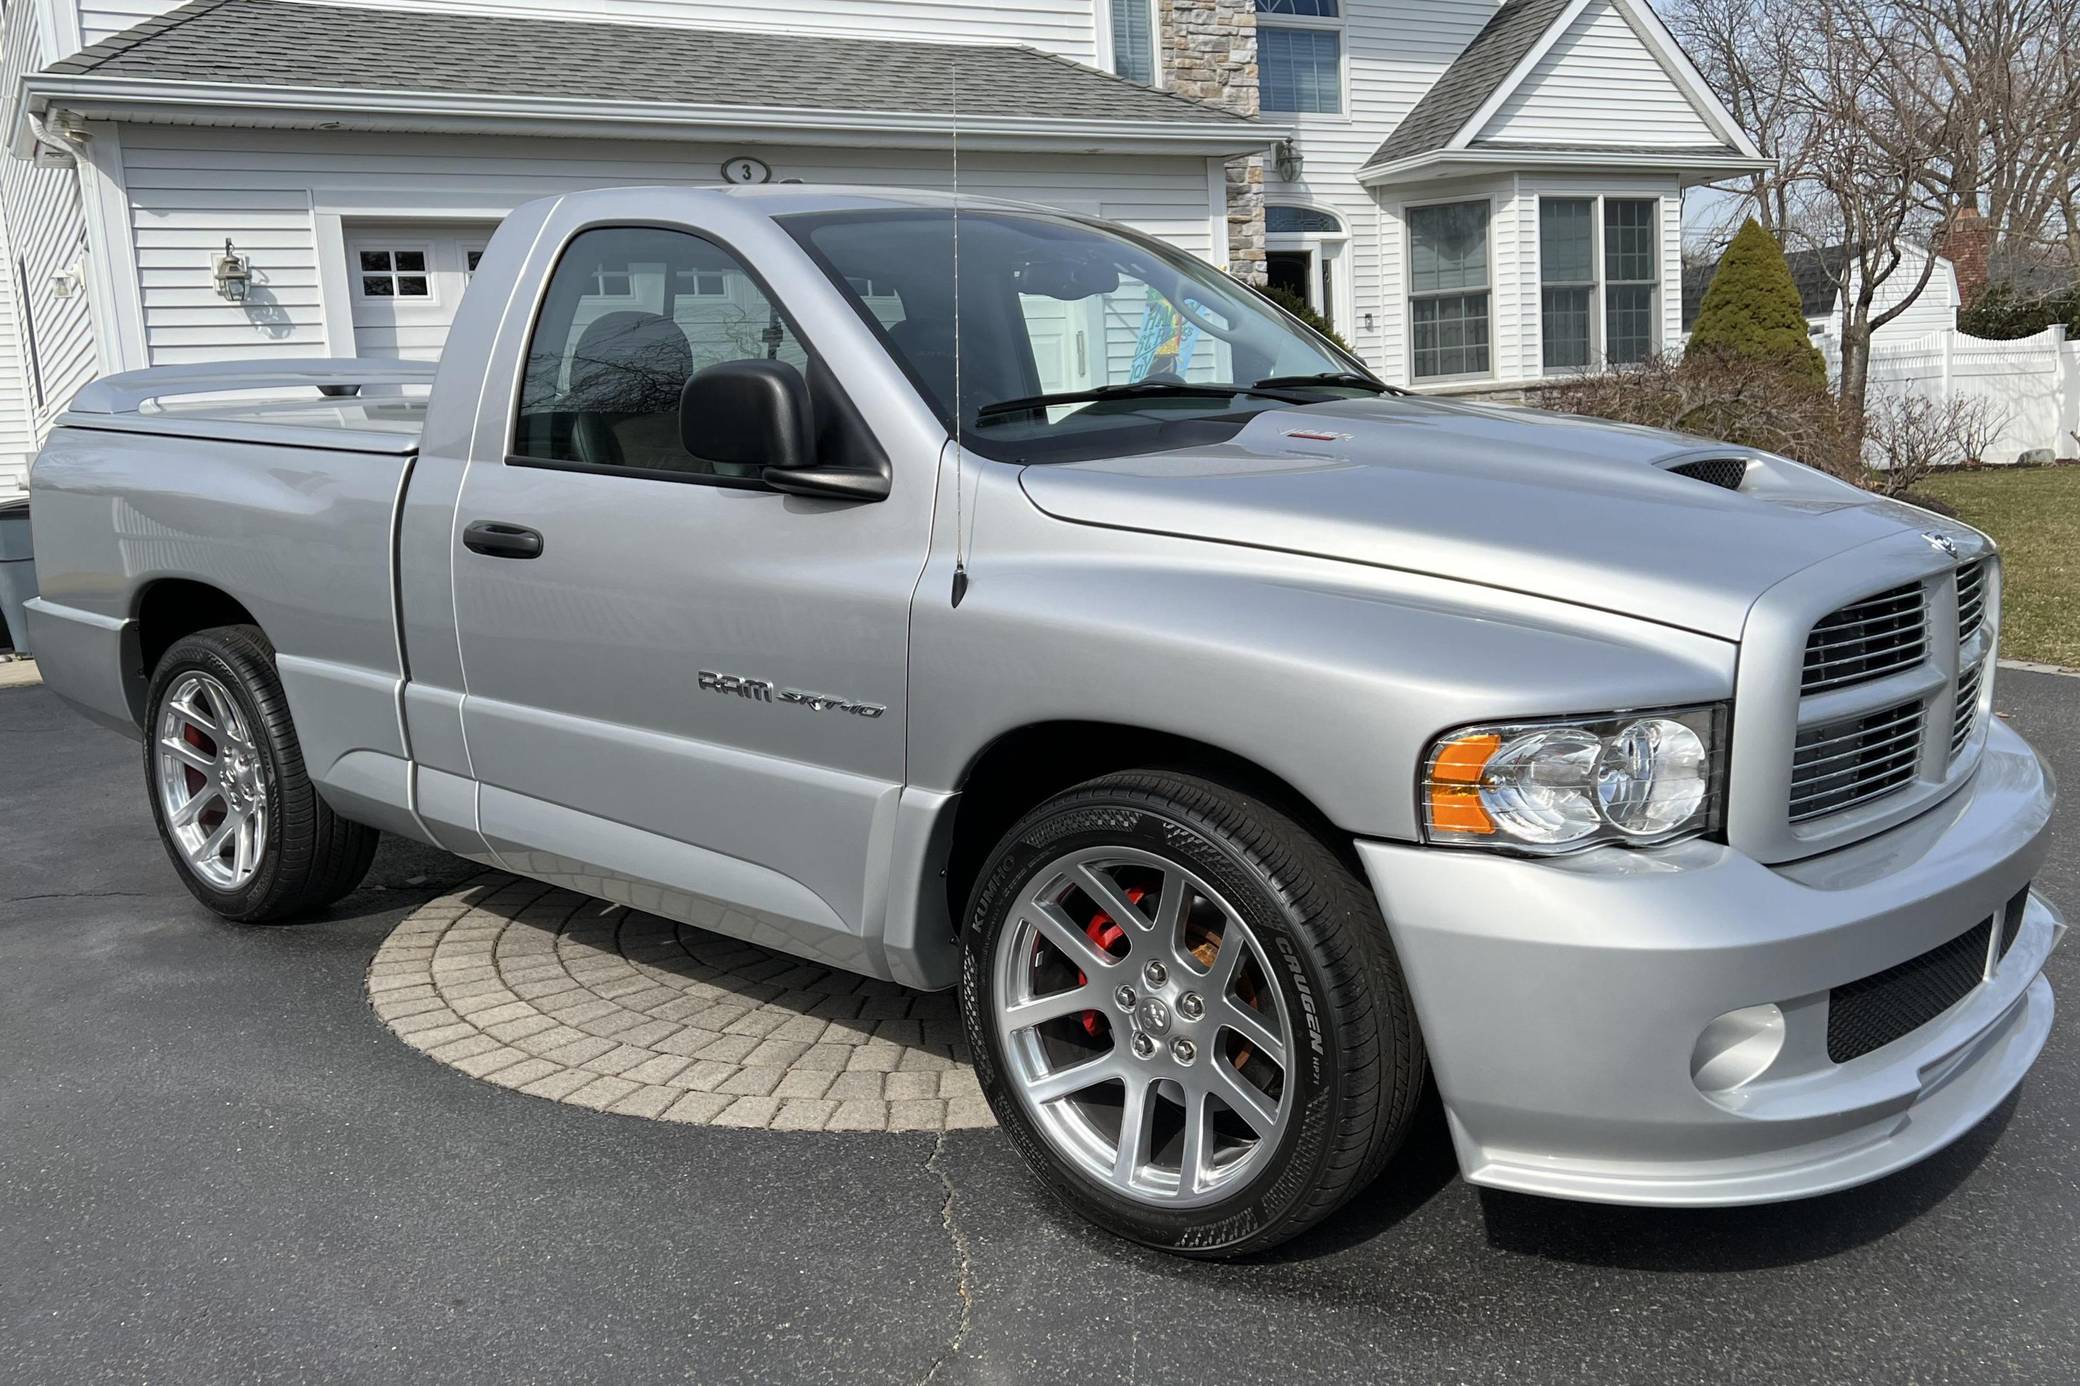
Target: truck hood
column 1549, row 504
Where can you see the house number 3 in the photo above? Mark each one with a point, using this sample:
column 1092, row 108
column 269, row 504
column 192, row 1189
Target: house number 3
column 745, row 169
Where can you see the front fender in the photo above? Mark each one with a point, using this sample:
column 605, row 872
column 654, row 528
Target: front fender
column 1334, row 676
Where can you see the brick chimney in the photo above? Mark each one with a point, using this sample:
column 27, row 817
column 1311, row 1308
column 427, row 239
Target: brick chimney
column 1966, row 241
column 1209, row 53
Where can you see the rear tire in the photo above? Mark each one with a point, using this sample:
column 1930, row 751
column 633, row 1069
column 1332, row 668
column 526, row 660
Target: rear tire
column 235, row 808
column 1265, row 997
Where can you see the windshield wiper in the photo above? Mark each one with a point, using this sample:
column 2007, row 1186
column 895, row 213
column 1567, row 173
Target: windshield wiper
column 1350, row 378
column 1143, row 389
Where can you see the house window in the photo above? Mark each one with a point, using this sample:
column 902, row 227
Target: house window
column 1631, row 279
column 394, row 273
column 1133, row 40
column 471, row 258
column 1595, row 252
column 1300, row 56
column 1448, row 289
column 1567, row 281
column 1300, row 221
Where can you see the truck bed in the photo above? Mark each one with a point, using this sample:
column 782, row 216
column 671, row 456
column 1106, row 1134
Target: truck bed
column 346, row 404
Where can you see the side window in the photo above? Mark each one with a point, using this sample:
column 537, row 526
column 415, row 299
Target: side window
column 631, row 314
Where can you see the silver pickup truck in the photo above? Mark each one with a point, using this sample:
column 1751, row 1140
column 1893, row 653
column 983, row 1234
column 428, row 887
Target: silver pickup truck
column 974, row 595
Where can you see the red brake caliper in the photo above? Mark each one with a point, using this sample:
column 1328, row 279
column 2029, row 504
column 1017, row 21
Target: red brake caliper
column 194, row 737
column 1110, row 937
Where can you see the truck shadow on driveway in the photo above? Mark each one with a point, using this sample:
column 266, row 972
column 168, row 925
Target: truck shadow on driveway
column 1737, row 1239
column 1696, row 1240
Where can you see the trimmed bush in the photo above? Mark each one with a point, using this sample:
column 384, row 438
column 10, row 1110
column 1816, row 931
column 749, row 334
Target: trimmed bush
column 2005, row 313
column 1752, row 310
column 1720, row 395
column 1297, row 306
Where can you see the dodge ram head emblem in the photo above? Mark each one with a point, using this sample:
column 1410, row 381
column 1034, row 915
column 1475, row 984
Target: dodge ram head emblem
column 1941, row 541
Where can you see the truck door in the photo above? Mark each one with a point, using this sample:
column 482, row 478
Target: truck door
column 682, row 689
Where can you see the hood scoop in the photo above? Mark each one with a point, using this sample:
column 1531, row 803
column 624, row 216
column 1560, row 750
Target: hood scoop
column 1726, row 473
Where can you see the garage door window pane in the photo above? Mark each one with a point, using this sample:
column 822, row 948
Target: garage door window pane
column 631, row 315
column 393, row 273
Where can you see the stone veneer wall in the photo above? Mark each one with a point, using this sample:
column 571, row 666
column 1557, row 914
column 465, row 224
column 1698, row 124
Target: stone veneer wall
column 1208, row 52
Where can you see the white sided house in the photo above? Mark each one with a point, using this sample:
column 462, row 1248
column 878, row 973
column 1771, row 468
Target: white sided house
column 1477, row 194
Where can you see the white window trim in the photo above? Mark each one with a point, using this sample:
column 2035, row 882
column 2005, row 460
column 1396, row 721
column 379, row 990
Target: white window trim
column 1101, row 16
column 431, row 273
column 1408, row 291
column 1599, row 303
column 1321, row 243
column 1342, row 114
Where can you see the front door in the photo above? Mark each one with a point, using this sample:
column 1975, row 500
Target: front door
column 691, row 697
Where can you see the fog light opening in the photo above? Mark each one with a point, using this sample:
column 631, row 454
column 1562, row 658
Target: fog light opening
column 1737, row 1048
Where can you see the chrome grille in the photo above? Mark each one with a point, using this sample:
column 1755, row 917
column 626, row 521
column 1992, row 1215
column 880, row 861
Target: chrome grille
column 1971, row 599
column 1838, row 765
column 1867, row 640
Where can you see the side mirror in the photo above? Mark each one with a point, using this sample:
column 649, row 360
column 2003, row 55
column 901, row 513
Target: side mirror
column 748, row 417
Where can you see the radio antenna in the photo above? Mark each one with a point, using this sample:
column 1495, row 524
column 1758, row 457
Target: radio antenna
column 960, row 466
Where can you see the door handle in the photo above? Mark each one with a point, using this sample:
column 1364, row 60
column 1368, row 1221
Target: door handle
column 497, row 539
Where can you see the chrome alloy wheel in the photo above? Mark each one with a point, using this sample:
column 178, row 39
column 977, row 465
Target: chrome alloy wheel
column 212, row 782
column 1141, row 1027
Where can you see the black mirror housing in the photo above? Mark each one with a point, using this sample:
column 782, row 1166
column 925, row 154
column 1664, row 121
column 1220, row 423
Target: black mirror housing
column 750, row 414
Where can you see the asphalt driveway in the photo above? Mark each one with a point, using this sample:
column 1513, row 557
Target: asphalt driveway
column 216, row 1165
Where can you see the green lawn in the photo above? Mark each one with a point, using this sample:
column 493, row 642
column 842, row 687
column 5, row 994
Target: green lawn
column 2034, row 515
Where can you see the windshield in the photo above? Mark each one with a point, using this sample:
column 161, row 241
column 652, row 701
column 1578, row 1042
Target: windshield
column 1075, row 339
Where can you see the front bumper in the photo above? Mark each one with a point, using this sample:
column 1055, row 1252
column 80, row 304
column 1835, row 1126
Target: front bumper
column 1563, row 1001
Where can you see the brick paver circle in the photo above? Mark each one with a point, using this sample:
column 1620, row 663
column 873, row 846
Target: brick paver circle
column 571, row 998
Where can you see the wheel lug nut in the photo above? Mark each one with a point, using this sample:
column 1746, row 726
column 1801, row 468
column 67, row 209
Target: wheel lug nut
column 1144, row 1046
column 1184, row 1050
column 1156, row 973
column 1125, row 997
column 1190, row 1006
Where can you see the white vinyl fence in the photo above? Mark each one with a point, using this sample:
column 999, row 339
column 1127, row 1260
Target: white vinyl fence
column 2030, row 386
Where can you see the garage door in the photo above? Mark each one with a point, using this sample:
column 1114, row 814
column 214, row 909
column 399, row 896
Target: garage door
column 406, row 281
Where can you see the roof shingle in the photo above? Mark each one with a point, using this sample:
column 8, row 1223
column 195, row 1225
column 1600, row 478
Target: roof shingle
column 1474, row 76
column 272, row 43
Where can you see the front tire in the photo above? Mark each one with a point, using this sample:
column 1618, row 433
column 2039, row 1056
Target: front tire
column 1186, row 1013
column 235, row 808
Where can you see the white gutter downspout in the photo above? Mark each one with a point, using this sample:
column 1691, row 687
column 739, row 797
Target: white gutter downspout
column 52, row 150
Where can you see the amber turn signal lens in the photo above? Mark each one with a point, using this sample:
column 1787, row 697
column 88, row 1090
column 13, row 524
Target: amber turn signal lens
column 1455, row 779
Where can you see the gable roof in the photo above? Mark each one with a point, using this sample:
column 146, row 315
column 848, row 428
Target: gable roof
column 1498, row 50
column 1816, row 272
column 270, row 43
column 1447, row 124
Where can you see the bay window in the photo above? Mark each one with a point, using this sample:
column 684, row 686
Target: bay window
column 1599, row 272
column 1448, row 291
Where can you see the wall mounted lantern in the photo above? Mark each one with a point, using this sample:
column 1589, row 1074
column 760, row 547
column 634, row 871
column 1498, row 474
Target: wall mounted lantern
column 66, row 282
column 232, row 274
column 1286, row 158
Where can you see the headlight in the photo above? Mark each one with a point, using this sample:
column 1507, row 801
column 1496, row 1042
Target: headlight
column 1560, row 786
